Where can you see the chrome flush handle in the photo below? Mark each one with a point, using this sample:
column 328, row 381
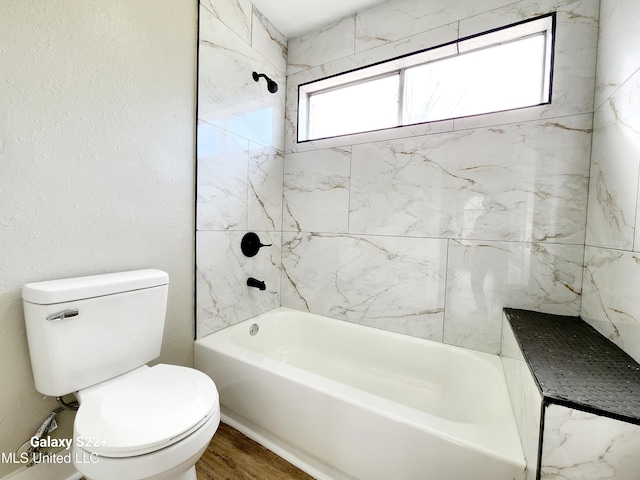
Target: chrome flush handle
column 73, row 312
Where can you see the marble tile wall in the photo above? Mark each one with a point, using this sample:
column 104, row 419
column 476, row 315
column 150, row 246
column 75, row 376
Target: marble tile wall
column 560, row 442
column 611, row 261
column 394, row 283
column 612, row 258
column 526, row 399
column 239, row 162
column 565, row 442
column 577, row 445
column 430, row 230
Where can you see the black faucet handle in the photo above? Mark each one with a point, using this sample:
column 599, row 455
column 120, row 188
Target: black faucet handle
column 250, row 244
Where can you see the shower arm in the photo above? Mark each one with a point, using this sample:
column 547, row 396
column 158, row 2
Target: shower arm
column 271, row 85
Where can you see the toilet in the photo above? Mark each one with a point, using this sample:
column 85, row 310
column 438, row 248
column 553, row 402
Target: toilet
column 93, row 336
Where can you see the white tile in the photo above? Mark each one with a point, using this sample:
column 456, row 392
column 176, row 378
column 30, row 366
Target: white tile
column 392, row 21
column 615, row 168
column 223, row 297
column 526, row 399
column 422, row 40
column 415, row 43
column 485, row 277
column 269, row 42
column 575, row 48
column 236, row 14
column 525, row 182
column 618, row 55
column 323, row 45
column 265, row 188
column 495, row 119
column 610, row 299
column 579, row 445
column 390, row 283
column 316, row 191
column 222, row 173
column 227, row 94
column 574, row 67
column 574, row 70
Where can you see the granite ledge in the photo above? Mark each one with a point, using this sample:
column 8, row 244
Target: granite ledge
column 577, row 367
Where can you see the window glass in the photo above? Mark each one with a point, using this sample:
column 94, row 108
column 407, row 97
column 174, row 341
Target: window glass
column 503, row 69
column 491, row 79
column 363, row 106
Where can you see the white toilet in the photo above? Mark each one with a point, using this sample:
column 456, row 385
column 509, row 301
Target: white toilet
column 92, row 336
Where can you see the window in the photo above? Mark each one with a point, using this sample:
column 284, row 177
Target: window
column 355, row 107
column 503, row 69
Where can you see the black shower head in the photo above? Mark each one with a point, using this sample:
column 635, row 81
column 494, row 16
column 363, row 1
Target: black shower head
column 271, row 85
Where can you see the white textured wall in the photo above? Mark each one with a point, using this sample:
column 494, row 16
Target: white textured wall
column 96, row 164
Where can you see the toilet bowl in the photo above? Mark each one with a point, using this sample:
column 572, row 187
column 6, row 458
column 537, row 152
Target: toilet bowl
column 92, row 336
column 152, row 423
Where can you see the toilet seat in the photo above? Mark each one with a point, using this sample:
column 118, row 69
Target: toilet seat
column 144, row 410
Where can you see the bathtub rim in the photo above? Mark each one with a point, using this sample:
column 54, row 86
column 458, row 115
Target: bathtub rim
column 377, row 404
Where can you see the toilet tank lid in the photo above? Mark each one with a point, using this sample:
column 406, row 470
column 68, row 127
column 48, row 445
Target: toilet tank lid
column 80, row 288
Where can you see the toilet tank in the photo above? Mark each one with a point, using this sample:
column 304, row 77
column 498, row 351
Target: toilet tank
column 85, row 330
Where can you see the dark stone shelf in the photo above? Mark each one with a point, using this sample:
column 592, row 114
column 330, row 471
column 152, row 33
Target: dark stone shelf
column 576, row 366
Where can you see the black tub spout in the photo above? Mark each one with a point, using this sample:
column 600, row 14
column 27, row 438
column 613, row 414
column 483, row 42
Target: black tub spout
column 252, row 282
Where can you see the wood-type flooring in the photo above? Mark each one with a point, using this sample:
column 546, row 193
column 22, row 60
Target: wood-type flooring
column 233, row 456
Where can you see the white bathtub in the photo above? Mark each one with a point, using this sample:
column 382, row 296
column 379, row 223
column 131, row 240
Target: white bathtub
column 343, row 401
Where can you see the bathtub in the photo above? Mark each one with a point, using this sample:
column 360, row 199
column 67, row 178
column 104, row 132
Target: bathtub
column 344, row 401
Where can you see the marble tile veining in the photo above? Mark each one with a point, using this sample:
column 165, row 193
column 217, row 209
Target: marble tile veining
column 228, row 97
column 615, row 160
column 485, row 277
column 619, row 30
column 391, row 283
column 503, row 183
column 438, row 36
column 236, row 14
column 590, row 407
column 316, row 191
column 239, row 162
column 574, row 64
column 576, row 41
column 380, row 25
column 610, row 298
column 268, row 41
column 611, row 449
column 264, row 188
column 370, row 220
column 223, row 297
column 526, row 400
column 222, row 172
column 612, row 267
column 321, row 46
